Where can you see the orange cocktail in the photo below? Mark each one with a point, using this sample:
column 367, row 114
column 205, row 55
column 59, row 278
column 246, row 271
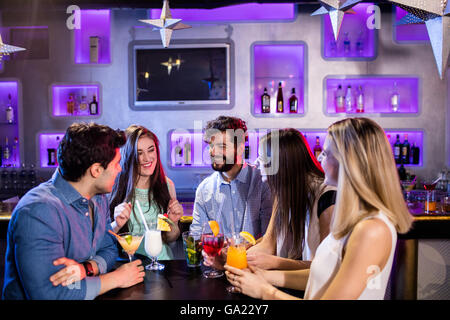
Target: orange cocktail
column 237, row 256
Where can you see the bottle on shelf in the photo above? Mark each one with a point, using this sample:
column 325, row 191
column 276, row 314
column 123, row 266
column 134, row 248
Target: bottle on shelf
column 93, row 49
column 6, row 152
column 9, row 111
column 406, row 150
column 57, row 146
column 187, row 152
column 93, row 106
column 317, row 148
column 402, row 172
column 349, row 99
column 51, row 152
column 15, row 150
column 178, row 153
column 333, row 48
column 360, row 44
column 83, row 106
column 397, row 150
column 293, row 102
column 280, row 104
column 395, row 99
column 360, row 100
column 247, row 149
column 415, row 152
column 340, row 100
column 71, row 104
column 265, row 102
column 346, row 44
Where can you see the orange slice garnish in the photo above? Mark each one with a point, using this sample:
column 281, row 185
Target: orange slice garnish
column 214, row 227
column 248, row 236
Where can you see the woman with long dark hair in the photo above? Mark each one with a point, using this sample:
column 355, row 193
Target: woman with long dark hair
column 303, row 204
column 143, row 178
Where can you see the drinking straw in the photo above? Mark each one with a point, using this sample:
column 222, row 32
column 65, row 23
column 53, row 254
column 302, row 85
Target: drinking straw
column 142, row 215
column 114, row 234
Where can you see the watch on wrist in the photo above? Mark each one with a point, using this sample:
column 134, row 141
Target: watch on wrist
column 89, row 269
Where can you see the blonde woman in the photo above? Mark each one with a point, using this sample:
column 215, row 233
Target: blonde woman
column 355, row 260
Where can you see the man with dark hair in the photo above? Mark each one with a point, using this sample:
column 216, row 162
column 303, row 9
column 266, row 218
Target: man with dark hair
column 58, row 244
column 234, row 195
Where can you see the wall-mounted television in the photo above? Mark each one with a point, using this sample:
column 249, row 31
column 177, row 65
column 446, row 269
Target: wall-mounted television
column 187, row 75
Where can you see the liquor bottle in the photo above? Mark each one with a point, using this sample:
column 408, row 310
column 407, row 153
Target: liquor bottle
column 280, row 105
column 360, row 44
column 56, row 154
column 348, row 99
column 340, row 100
column 6, row 152
column 83, row 105
column 14, row 153
column 265, row 102
column 395, row 99
column 178, row 154
column 51, row 153
column 397, row 150
column 93, row 49
column 187, row 152
column 415, row 151
column 317, row 148
column 346, row 44
column 402, row 172
column 247, row 149
column 293, row 102
column 70, row 104
column 406, row 150
column 9, row 111
column 93, row 106
column 360, row 100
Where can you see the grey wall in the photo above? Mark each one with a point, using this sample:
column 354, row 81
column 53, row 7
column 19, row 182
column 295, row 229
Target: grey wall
column 37, row 75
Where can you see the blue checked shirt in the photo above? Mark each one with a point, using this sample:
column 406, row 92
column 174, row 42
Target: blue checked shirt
column 52, row 221
column 244, row 204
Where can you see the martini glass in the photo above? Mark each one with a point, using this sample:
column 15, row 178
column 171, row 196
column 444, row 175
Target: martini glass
column 130, row 242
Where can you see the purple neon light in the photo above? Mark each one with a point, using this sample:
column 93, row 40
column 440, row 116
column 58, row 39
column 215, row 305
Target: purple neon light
column 356, row 26
column 377, row 93
column 409, row 32
column 241, row 12
column 61, row 96
column 279, row 63
column 9, row 130
column 93, row 23
column 46, row 141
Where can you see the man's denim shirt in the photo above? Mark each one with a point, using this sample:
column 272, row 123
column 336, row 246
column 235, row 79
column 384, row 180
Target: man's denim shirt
column 52, row 221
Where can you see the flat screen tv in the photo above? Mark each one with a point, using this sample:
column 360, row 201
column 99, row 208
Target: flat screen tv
column 183, row 76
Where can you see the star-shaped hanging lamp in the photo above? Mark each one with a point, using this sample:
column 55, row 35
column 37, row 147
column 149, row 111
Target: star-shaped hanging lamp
column 6, row 49
column 336, row 10
column 436, row 16
column 165, row 24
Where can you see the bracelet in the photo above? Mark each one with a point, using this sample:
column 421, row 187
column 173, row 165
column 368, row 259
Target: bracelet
column 89, row 269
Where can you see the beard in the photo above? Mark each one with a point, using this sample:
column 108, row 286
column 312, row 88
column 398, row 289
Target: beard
column 223, row 166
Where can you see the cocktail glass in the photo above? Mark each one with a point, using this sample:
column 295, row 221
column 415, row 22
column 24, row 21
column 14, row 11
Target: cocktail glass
column 192, row 248
column 153, row 247
column 212, row 245
column 408, row 186
column 236, row 254
column 430, row 202
column 130, row 242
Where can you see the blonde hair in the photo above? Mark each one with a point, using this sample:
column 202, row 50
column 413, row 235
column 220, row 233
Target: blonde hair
column 368, row 181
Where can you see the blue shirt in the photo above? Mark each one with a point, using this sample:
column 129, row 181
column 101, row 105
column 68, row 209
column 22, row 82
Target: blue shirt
column 244, row 204
column 52, row 221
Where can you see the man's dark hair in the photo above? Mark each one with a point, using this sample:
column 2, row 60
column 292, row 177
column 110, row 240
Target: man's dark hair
column 85, row 144
column 223, row 123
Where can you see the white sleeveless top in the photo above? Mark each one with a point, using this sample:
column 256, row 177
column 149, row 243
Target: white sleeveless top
column 328, row 260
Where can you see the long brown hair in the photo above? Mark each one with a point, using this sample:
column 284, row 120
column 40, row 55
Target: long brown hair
column 126, row 181
column 368, row 181
column 293, row 186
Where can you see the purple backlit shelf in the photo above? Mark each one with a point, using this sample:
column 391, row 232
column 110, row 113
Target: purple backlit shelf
column 378, row 93
column 10, row 130
column 276, row 62
column 60, row 94
column 356, row 40
column 94, row 23
column 48, row 141
column 236, row 13
column 409, row 33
